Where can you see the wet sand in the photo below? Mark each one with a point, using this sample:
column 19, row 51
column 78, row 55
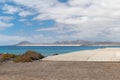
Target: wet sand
column 61, row 70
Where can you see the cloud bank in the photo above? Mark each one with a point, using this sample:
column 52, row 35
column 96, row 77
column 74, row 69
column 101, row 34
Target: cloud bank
column 74, row 19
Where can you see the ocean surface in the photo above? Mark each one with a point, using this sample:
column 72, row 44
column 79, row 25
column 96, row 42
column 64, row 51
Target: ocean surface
column 46, row 50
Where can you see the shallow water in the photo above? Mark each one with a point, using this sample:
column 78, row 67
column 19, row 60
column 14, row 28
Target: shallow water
column 46, row 50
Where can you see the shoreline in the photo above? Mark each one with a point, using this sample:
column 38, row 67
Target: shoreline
column 65, row 70
column 96, row 55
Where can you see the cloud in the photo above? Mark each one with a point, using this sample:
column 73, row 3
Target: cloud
column 4, row 25
column 80, row 19
column 47, row 29
column 41, row 38
column 5, row 22
column 25, row 13
column 74, row 11
column 22, row 20
column 11, row 9
column 10, row 39
column 6, row 18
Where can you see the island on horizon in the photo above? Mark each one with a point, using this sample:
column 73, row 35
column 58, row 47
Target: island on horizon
column 70, row 43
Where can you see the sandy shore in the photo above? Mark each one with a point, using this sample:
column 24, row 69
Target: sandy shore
column 61, row 70
column 106, row 54
column 71, row 67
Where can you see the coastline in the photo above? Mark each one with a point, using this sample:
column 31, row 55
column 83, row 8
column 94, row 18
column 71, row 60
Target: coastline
column 50, row 45
column 105, row 54
column 65, row 69
column 105, row 45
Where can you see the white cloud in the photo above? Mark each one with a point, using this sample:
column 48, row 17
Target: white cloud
column 4, row 25
column 22, row 20
column 8, row 40
column 11, row 39
column 48, row 29
column 6, row 18
column 9, row 9
column 40, row 38
column 75, row 11
column 5, row 22
column 85, row 19
column 25, row 13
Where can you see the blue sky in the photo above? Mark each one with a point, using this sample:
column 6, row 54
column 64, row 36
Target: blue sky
column 58, row 20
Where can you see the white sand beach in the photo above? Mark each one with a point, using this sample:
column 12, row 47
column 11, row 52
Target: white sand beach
column 106, row 54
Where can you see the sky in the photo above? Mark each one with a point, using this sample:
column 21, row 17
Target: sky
column 59, row 20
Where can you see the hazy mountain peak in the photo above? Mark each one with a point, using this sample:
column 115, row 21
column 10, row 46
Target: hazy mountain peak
column 24, row 42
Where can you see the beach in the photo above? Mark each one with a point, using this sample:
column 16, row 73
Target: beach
column 70, row 66
column 102, row 54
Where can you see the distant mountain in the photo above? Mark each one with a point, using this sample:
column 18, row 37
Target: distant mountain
column 71, row 43
column 24, row 43
column 82, row 42
column 90, row 43
column 27, row 43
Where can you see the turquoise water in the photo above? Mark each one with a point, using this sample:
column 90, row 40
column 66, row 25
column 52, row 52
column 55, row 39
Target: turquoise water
column 46, row 50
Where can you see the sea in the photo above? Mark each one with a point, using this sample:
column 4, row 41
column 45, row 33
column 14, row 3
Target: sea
column 48, row 50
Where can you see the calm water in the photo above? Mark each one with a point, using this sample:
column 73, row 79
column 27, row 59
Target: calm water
column 45, row 50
